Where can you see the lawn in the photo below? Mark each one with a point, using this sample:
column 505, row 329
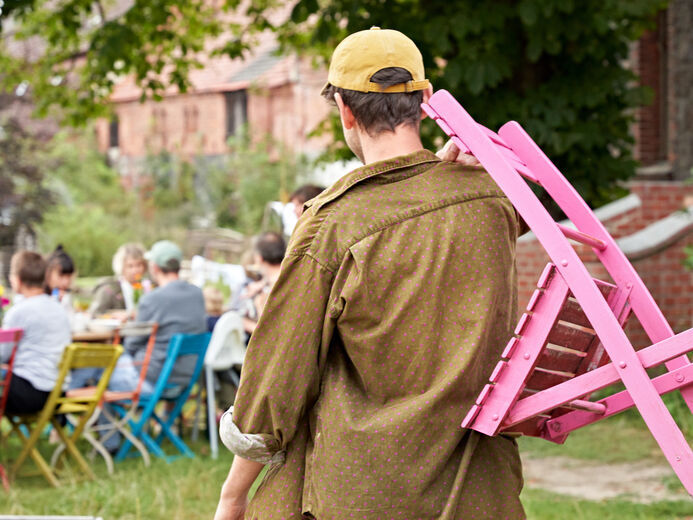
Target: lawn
column 188, row 488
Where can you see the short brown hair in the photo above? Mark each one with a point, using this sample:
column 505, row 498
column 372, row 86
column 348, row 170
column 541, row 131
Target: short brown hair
column 306, row 192
column 29, row 267
column 377, row 112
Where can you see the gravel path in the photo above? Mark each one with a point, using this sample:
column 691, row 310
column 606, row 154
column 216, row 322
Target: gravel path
column 636, row 481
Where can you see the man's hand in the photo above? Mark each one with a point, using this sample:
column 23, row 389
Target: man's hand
column 451, row 153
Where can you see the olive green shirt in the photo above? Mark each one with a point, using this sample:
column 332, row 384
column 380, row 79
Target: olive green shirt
column 395, row 300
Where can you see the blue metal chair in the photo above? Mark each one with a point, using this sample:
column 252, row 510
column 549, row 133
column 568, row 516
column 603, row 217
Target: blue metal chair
column 179, row 346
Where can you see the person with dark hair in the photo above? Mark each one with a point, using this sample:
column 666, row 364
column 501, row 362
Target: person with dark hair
column 46, row 334
column 268, row 254
column 302, row 195
column 394, row 302
column 60, row 273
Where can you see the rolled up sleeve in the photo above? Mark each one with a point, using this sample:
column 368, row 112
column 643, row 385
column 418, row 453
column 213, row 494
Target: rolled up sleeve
column 281, row 372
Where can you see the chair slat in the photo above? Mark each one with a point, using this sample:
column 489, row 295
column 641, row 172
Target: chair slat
column 583, row 238
column 540, row 380
column 570, row 337
column 573, row 313
column 561, row 360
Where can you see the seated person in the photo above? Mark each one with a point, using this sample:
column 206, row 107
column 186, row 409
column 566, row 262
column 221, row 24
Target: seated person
column 177, row 306
column 122, row 291
column 268, row 255
column 60, row 273
column 46, row 334
column 302, row 195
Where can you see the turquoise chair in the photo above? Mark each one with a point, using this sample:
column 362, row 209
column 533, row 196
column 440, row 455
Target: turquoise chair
column 179, row 346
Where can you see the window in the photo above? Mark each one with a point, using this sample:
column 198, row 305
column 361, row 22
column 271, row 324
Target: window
column 236, row 111
column 113, row 133
column 190, row 119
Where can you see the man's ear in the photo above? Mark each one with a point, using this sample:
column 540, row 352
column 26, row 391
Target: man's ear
column 345, row 113
column 426, row 96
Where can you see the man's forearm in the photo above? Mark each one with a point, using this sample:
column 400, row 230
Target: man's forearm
column 241, row 477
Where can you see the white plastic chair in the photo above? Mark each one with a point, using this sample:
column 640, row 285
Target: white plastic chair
column 226, row 349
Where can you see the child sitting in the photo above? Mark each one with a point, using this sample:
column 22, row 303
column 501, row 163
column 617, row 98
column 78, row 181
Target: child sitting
column 214, row 305
column 46, row 334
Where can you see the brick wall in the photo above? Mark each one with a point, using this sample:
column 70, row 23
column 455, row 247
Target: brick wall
column 195, row 123
column 663, row 272
column 648, row 64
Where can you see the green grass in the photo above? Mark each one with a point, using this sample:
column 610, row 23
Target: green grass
column 618, row 439
column 542, row 505
column 184, row 489
column 189, row 488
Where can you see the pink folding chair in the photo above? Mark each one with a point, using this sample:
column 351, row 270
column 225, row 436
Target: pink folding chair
column 12, row 337
column 570, row 341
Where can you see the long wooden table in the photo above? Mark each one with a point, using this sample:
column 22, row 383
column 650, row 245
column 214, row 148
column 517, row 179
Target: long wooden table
column 93, row 337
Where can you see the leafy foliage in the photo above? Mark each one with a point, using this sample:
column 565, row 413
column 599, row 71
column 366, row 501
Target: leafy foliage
column 557, row 66
column 88, row 46
column 23, row 198
column 94, row 214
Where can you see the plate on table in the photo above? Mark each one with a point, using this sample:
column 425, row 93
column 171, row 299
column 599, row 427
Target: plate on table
column 103, row 325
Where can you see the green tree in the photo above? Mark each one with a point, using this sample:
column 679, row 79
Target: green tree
column 23, row 197
column 87, row 46
column 557, row 66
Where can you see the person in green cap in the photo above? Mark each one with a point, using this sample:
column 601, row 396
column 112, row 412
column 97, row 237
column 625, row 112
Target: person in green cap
column 394, row 301
column 177, row 306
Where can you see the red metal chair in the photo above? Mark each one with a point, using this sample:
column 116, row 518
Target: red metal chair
column 12, row 337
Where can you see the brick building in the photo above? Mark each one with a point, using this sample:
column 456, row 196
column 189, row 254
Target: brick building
column 271, row 94
column 654, row 224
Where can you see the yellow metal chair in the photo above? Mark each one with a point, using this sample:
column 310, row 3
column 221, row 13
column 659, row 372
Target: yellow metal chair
column 78, row 355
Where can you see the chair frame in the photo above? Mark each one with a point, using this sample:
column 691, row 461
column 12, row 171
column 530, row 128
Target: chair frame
column 179, row 345
column 76, row 355
column 221, row 355
column 508, row 156
column 127, row 400
column 7, row 336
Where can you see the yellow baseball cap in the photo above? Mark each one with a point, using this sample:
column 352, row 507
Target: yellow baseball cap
column 362, row 54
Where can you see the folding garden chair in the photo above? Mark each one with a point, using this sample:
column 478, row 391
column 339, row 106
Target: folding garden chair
column 127, row 401
column 179, row 346
column 570, row 341
column 9, row 337
column 75, row 356
column 226, row 349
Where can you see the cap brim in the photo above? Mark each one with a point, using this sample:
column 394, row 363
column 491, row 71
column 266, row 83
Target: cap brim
column 324, row 89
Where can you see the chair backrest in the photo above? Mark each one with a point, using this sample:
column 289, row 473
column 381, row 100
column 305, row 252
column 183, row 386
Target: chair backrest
column 182, row 345
column 9, row 336
column 134, row 329
column 227, row 346
column 82, row 355
column 511, row 155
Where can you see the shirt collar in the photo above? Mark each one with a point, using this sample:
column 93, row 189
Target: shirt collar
column 370, row 170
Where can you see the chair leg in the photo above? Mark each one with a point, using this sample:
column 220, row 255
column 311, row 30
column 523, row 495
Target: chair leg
column 29, row 442
column 101, row 449
column 3, row 478
column 198, row 405
column 72, row 449
column 121, row 425
column 166, row 431
column 653, row 411
column 211, row 413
